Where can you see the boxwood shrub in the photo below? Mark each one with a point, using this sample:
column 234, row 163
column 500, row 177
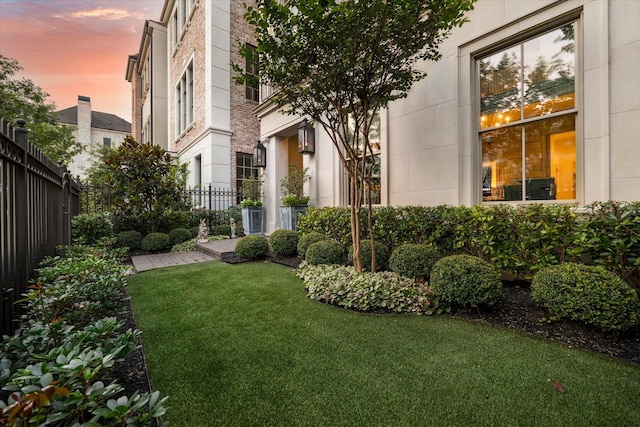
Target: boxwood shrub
column 307, row 240
column 131, row 239
column 156, row 242
column 465, row 280
column 194, row 231
column 382, row 255
column 284, row 242
column 179, row 235
column 222, row 230
column 414, row 260
column 589, row 294
column 328, row 251
column 252, row 247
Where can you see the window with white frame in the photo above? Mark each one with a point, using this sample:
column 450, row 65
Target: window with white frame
column 528, row 118
column 252, row 86
column 369, row 159
column 184, row 100
column 180, row 18
column 244, row 170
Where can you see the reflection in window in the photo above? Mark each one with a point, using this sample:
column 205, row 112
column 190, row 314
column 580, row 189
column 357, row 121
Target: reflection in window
column 370, row 159
column 527, row 119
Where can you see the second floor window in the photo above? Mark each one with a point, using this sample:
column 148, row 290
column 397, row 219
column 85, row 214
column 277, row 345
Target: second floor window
column 252, row 87
column 184, row 100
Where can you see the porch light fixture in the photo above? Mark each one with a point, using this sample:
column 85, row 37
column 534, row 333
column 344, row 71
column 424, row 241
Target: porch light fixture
column 306, row 138
column 259, row 155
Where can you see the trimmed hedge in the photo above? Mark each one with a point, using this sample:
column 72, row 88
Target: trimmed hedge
column 328, row 251
column 156, row 242
column 382, row 255
column 131, row 239
column 222, row 230
column 179, row 235
column 307, row 240
column 252, row 247
column 589, row 294
column 91, row 227
column 465, row 280
column 414, row 260
column 284, row 242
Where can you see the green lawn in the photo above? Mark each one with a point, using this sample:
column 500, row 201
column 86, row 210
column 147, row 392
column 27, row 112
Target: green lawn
column 242, row 345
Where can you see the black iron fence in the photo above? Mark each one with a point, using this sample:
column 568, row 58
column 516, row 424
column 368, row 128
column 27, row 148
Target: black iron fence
column 95, row 198
column 38, row 198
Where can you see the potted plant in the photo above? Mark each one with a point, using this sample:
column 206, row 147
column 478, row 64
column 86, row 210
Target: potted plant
column 294, row 201
column 252, row 216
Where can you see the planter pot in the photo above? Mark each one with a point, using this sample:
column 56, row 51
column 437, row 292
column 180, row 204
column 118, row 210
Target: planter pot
column 252, row 220
column 289, row 216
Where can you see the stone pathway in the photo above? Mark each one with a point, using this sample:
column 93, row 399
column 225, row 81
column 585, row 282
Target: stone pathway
column 206, row 252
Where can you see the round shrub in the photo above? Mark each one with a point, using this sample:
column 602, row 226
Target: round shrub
column 465, row 280
column 156, row 242
column 414, row 260
column 382, row 255
column 223, row 230
column 284, row 242
column 194, row 231
column 179, row 235
column 327, row 251
column 589, row 294
column 307, row 240
column 252, row 247
column 131, row 239
column 91, row 227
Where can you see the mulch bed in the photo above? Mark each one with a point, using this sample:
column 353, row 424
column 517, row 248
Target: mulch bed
column 517, row 312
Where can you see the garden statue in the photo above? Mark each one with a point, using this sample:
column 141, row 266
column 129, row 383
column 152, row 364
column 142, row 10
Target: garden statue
column 232, row 223
column 203, row 231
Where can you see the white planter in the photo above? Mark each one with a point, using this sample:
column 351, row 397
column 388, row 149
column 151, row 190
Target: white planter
column 289, row 216
column 252, row 220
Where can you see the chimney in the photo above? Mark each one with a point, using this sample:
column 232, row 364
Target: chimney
column 84, row 120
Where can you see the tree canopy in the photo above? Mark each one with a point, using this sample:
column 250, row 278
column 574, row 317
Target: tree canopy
column 23, row 99
column 340, row 61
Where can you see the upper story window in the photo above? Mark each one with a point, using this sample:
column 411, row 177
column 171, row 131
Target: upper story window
column 180, row 18
column 184, row 100
column 370, row 159
column 106, row 142
column 527, row 123
column 251, row 66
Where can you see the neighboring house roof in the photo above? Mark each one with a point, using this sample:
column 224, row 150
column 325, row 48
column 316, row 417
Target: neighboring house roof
column 98, row 120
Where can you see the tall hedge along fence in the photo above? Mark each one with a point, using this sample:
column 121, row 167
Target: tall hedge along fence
column 517, row 240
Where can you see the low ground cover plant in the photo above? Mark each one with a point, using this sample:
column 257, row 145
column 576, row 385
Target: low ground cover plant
column 589, row 294
column 56, row 370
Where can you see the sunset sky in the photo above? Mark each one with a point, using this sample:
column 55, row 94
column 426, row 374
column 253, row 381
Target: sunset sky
column 77, row 47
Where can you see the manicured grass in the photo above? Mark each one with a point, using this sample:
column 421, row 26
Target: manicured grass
column 242, row 345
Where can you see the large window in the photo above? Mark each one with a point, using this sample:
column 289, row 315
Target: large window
column 370, row 160
column 244, row 170
column 528, row 119
column 184, row 100
column 252, row 85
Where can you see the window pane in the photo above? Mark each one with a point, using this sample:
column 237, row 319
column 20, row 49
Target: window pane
column 550, row 159
column 500, row 88
column 502, row 164
column 549, row 62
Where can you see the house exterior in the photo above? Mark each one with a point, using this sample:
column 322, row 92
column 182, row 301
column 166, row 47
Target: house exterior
column 93, row 130
column 147, row 73
column 210, row 121
column 532, row 101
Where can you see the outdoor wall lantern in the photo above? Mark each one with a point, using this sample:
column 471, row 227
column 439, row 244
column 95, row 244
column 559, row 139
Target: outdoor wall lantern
column 306, row 138
column 259, row 155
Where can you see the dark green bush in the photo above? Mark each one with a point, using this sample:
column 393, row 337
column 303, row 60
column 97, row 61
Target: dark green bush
column 156, row 242
column 465, row 280
column 252, row 247
column 307, row 240
column 131, row 239
column 382, row 255
column 328, row 251
column 414, row 260
column 284, row 242
column 194, row 231
column 223, row 230
column 91, row 227
column 589, row 294
column 179, row 235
